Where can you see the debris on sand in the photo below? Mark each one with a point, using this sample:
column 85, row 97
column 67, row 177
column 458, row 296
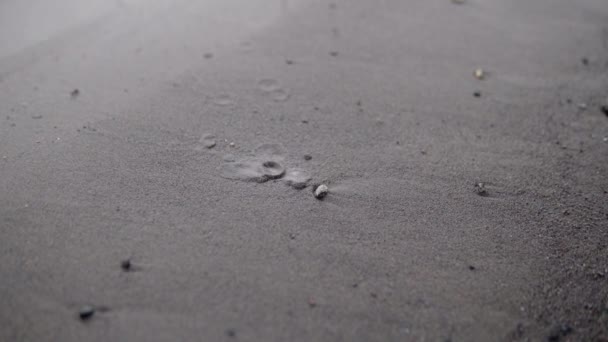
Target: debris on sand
column 307, row 157
column 480, row 189
column 458, row 2
column 479, row 74
column 37, row 116
column 289, row 62
column 208, row 55
column 208, row 141
column 604, row 109
column 559, row 331
column 477, row 94
column 74, row 94
column 334, row 53
column 86, row 312
column 230, row 332
column 321, row 191
column 312, row 303
column 126, row 265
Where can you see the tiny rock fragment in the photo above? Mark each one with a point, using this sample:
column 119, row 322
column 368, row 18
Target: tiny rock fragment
column 126, row 265
column 230, row 332
column 479, row 74
column 604, row 109
column 307, row 157
column 75, row 93
column 37, row 116
column 312, row 302
column 289, row 62
column 480, row 189
column 334, row 53
column 477, row 94
column 321, row 191
column 208, row 140
column 208, row 55
column 458, row 2
column 86, row 312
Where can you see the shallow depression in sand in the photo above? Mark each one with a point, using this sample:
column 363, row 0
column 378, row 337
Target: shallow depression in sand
column 253, row 169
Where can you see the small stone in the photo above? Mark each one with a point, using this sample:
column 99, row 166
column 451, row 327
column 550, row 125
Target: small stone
column 480, row 189
column 471, row 267
column 321, row 191
column 585, row 61
column 307, row 157
column 312, row 302
column 208, row 141
column 334, row 53
column 479, row 74
column 75, row 93
column 582, row 106
column 230, row 332
column 289, row 62
column 37, row 116
column 208, row 55
column 604, row 109
column 559, row 331
column 86, row 312
column 458, row 2
column 477, row 94
column 126, row 265
column 232, row 144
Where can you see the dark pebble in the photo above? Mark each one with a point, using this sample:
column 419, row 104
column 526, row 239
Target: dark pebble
column 307, row 157
column 477, row 94
column 604, row 109
column 126, row 265
column 289, row 62
column 86, row 312
column 208, row 55
column 585, row 61
column 559, row 331
column 472, row 268
column 231, row 333
column 334, row 53
column 75, row 93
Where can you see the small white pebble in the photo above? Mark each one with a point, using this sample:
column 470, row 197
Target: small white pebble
column 232, row 144
column 479, row 74
column 321, row 191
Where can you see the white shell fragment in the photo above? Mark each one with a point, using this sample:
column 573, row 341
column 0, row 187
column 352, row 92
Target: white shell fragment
column 321, row 191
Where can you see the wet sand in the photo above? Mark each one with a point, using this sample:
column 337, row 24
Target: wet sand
column 158, row 161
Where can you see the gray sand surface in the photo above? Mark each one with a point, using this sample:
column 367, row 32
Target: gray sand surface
column 380, row 95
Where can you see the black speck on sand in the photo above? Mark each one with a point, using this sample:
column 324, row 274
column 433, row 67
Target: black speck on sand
column 216, row 260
